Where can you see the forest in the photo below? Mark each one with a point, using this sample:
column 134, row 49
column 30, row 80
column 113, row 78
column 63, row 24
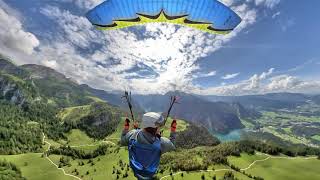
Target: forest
column 78, row 154
column 21, row 127
column 10, row 171
column 177, row 161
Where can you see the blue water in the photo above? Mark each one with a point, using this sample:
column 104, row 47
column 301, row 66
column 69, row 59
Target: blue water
column 234, row 135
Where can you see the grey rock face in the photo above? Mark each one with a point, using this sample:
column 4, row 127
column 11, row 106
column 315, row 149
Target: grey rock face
column 11, row 92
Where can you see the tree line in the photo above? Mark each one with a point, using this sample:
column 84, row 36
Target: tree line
column 21, row 127
column 78, row 153
column 9, row 171
column 188, row 160
column 195, row 136
column 101, row 121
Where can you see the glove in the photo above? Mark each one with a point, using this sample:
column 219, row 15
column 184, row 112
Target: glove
column 174, row 125
column 127, row 124
column 136, row 125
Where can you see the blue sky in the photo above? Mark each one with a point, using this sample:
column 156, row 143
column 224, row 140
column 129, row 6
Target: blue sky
column 275, row 48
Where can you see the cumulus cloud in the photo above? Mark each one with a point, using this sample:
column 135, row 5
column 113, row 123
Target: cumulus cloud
column 201, row 75
column 249, row 86
column 268, row 3
column 266, row 82
column 228, row 2
column 76, row 29
column 276, row 15
column 283, row 82
column 163, row 58
column 264, row 75
column 50, row 63
column 289, row 83
column 84, row 4
column 230, row 76
column 14, row 39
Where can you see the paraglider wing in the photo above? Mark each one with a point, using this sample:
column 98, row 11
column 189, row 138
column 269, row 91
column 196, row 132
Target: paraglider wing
column 205, row 15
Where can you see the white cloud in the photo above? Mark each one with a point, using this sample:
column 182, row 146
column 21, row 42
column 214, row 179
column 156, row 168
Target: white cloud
column 264, row 75
column 268, row 3
column 283, row 82
column 164, row 58
column 265, row 83
column 230, row 76
column 292, row 84
column 249, row 86
column 84, row 4
column 228, row 2
column 76, row 29
column 52, row 64
column 14, row 39
column 201, row 75
column 168, row 53
column 212, row 73
column 276, row 14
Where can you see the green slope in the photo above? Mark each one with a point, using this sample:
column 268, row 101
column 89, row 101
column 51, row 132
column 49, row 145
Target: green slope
column 245, row 160
column 278, row 167
column 34, row 167
column 74, row 114
column 287, row 169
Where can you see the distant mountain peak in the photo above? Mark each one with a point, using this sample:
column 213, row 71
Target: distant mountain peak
column 8, row 67
column 38, row 71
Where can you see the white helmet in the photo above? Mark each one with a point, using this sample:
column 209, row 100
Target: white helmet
column 151, row 119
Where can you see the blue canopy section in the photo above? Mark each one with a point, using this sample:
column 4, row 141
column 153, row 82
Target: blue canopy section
column 206, row 11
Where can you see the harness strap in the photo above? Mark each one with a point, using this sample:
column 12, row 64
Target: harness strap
column 135, row 135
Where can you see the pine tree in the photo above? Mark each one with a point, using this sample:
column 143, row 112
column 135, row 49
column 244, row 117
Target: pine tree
column 203, row 177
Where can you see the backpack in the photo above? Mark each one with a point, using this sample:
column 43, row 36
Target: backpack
column 144, row 158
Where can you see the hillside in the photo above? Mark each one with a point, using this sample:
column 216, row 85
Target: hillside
column 270, row 101
column 113, row 98
column 14, row 84
column 210, row 162
column 316, row 99
column 113, row 163
column 52, row 127
column 58, row 89
column 97, row 119
column 31, row 97
column 216, row 116
column 8, row 67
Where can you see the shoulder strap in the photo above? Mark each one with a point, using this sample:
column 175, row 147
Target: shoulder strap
column 157, row 142
column 135, row 135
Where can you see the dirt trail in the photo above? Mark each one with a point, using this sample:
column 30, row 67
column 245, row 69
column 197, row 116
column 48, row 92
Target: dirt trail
column 64, row 172
column 177, row 173
column 244, row 169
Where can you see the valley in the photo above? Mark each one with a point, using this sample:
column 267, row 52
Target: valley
column 54, row 128
column 159, row 90
column 293, row 128
column 114, row 164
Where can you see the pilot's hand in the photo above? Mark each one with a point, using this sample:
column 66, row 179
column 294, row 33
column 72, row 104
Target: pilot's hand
column 126, row 124
column 174, row 126
column 136, row 125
